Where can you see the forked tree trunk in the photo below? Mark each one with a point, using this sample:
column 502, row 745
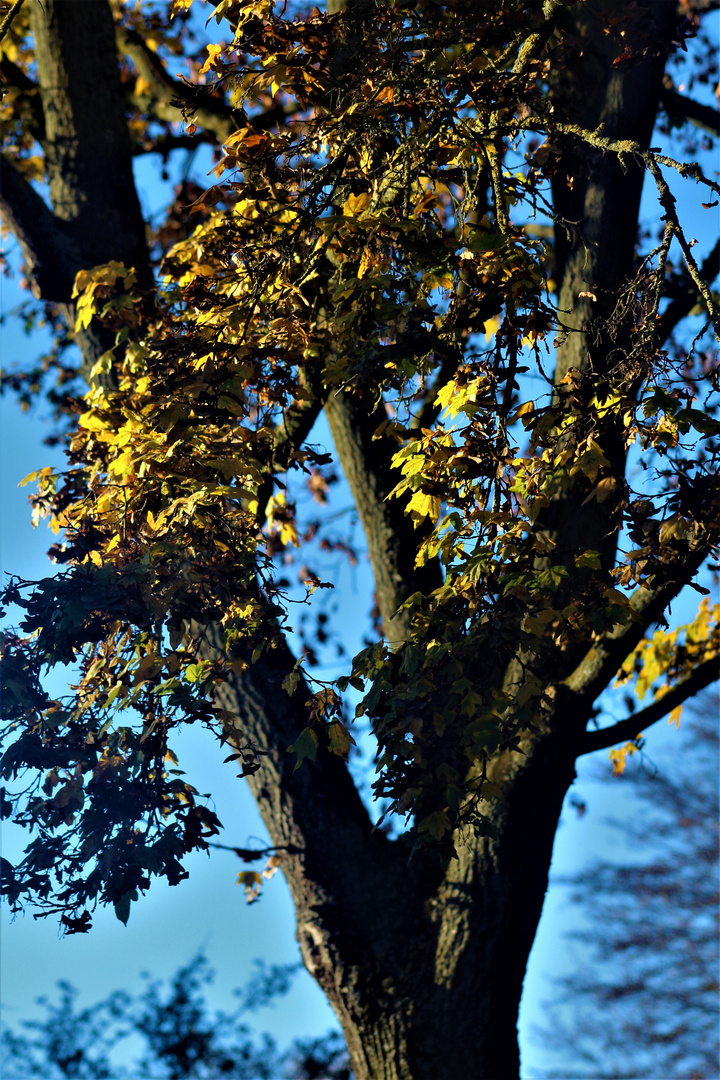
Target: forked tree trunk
column 422, row 961
column 445, row 1001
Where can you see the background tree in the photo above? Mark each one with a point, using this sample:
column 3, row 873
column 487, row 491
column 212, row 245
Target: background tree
column 376, row 245
column 649, row 939
column 177, row 1034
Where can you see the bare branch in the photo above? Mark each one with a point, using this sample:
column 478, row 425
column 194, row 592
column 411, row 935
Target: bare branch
column 686, row 297
column 165, row 144
column 535, row 43
column 634, row 725
column 667, row 201
column 9, row 16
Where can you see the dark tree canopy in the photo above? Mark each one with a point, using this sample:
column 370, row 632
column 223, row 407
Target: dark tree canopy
column 423, row 221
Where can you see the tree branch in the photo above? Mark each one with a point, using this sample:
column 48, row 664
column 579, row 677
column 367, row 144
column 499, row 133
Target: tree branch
column 391, row 539
column 9, row 16
column 290, row 433
column 25, row 104
column 87, row 146
column 667, row 202
column 51, row 258
column 209, row 113
column 165, row 144
column 630, row 728
column 605, row 657
column 679, row 108
column 687, row 295
column 339, row 868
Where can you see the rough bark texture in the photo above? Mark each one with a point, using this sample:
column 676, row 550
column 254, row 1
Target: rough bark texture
column 422, row 961
column 87, row 147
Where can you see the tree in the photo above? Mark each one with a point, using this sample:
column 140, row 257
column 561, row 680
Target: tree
column 650, row 935
column 178, row 1035
column 419, row 208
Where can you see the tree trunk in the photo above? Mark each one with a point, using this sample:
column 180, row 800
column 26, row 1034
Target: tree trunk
column 423, row 961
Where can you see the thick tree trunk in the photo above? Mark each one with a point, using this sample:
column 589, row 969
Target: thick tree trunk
column 422, row 961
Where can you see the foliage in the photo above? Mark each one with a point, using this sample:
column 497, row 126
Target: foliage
column 181, row 1038
column 379, row 216
column 649, row 940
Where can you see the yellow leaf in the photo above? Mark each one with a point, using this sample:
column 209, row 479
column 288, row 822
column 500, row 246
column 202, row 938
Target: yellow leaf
column 39, row 474
column 444, row 394
column 252, row 881
column 429, row 201
column 422, row 506
column 355, row 204
column 526, row 409
column 603, row 490
column 438, row 279
column 590, row 461
column 91, row 422
column 212, row 61
column 491, row 327
column 618, row 757
column 674, row 717
column 288, row 534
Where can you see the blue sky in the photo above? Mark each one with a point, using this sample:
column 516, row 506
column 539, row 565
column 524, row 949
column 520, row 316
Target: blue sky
column 209, row 912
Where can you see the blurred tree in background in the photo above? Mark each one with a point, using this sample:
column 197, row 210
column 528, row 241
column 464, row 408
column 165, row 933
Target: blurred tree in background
column 649, row 943
column 172, row 1033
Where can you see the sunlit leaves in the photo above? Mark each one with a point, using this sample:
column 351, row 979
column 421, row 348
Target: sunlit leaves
column 618, row 756
column 671, row 655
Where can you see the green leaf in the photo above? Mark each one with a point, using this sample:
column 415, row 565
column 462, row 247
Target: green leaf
column 305, row 746
column 194, row 672
column 437, row 824
column 290, row 682
column 589, row 559
column 122, row 906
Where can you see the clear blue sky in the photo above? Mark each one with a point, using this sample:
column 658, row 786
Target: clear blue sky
column 209, row 912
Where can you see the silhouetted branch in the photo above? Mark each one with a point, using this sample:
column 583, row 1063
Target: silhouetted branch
column 631, row 727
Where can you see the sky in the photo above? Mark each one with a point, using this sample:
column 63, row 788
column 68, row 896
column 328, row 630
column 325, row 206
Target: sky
column 208, row 912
